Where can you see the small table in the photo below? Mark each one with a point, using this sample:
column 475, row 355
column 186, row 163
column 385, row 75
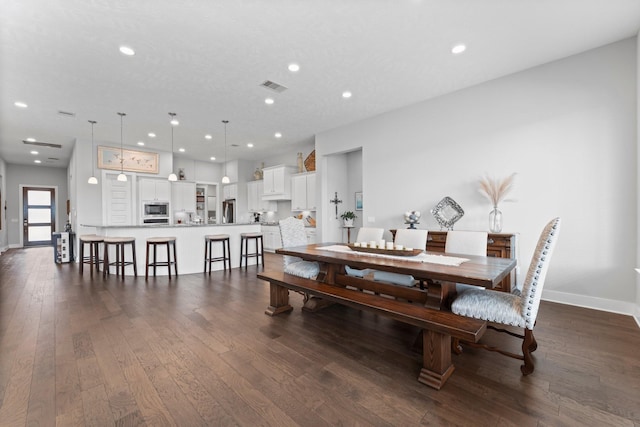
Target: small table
column 348, row 227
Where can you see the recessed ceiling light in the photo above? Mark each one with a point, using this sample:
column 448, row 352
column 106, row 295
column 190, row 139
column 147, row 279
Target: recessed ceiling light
column 151, row 135
column 268, row 101
column 140, row 143
column 250, row 145
column 278, row 135
column 37, row 161
column 20, row 104
column 346, row 94
column 294, row 68
column 212, row 158
column 126, row 50
column 181, row 150
column 34, row 152
column 207, row 136
column 31, row 139
column 459, row 48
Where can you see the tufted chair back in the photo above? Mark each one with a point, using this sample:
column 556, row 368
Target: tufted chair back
column 532, row 287
column 293, row 234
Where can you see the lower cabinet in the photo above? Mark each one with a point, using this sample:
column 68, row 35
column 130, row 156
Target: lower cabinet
column 311, row 236
column 271, row 237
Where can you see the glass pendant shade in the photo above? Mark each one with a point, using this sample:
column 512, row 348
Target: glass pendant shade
column 173, row 177
column 92, row 179
column 122, row 177
column 225, row 180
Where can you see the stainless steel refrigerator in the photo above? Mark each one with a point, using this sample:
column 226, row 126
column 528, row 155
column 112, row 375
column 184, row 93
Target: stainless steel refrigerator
column 229, row 211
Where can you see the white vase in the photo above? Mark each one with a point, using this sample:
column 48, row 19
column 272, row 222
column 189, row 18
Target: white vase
column 495, row 220
column 348, row 222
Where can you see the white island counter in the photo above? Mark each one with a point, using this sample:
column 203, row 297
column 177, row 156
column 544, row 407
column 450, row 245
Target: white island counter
column 189, row 243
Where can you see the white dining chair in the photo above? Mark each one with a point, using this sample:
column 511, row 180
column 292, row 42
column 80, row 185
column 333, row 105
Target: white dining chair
column 511, row 309
column 368, row 234
column 466, row 243
column 293, row 234
column 409, row 238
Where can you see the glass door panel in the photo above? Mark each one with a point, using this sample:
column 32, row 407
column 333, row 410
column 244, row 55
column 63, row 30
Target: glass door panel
column 39, row 215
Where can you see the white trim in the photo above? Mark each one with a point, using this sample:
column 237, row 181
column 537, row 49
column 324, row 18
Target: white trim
column 595, row 303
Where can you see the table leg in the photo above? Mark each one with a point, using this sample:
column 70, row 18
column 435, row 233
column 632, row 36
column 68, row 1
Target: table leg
column 440, row 294
column 279, row 300
column 436, row 356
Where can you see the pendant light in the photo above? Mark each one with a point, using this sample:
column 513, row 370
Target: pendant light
column 174, row 122
column 225, row 178
column 121, row 177
column 92, row 178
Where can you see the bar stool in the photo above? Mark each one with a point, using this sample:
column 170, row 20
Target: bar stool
column 208, row 253
column 93, row 259
column 244, row 248
column 120, row 263
column 168, row 242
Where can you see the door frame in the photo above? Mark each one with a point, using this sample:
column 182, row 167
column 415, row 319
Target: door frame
column 21, row 204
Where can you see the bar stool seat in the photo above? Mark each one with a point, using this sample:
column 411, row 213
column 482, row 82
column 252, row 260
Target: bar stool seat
column 162, row 241
column 119, row 263
column 93, row 259
column 244, row 248
column 208, row 253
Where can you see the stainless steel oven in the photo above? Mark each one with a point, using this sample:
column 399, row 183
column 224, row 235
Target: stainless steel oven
column 154, row 212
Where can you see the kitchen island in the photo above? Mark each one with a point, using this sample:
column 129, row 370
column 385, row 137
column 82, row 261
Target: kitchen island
column 189, row 243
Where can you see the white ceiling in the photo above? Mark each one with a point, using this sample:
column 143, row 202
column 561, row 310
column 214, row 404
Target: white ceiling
column 205, row 61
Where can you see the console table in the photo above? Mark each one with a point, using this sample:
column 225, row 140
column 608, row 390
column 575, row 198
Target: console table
column 499, row 245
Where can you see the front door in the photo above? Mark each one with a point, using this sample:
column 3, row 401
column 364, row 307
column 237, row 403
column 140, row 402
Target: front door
column 38, row 215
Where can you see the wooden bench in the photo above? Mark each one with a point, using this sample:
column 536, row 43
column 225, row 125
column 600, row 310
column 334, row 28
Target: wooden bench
column 437, row 326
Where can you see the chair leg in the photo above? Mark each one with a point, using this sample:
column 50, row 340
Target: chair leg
column 134, row 259
column 169, row 259
column 528, row 343
column 175, row 258
column 146, row 262
column 81, row 255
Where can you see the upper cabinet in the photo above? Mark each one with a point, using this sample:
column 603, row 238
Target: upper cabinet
column 155, row 189
column 255, row 203
column 183, row 196
column 230, row 191
column 277, row 182
column 303, row 192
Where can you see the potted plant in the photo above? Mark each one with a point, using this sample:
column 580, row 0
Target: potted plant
column 347, row 218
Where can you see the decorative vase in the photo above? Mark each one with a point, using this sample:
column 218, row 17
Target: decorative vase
column 257, row 175
column 348, row 222
column 300, row 163
column 495, row 220
column 181, row 176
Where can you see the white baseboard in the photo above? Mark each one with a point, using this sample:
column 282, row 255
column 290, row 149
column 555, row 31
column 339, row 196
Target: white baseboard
column 613, row 306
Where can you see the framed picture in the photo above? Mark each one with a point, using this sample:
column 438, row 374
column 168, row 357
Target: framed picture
column 359, row 200
column 133, row 161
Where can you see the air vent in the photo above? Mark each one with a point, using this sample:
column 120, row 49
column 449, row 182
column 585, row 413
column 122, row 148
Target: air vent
column 66, row 113
column 42, row 144
column 234, row 145
column 273, row 86
column 55, row 159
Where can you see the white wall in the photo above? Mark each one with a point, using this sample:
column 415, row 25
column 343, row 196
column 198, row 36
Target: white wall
column 568, row 129
column 4, row 241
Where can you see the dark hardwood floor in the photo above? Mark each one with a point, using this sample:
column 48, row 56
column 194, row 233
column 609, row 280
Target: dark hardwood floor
column 199, row 351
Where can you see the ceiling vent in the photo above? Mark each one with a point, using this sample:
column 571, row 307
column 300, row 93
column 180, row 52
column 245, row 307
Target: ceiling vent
column 42, row 144
column 234, row 145
column 55, row 159
column 273, row 86
column 66, row 113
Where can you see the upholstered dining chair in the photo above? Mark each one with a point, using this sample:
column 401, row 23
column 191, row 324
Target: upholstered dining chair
column 512, row 309
column 409, row 238
column 368, row 234
column 466, row 243
column 293, row 234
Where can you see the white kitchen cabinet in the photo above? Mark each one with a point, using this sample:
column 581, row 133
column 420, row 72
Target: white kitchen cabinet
column 255, row 202
column 277, row 182
column 303, row 192
column 311, row 236
column 230, row 191
column 271, row 236
column 154, row 189
column 183, row 196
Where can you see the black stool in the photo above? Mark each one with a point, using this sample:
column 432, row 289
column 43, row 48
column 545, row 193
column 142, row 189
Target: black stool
column 166, row 241
column 93, row 259
column 244, row 248
column 208, row 253
column 119, row 263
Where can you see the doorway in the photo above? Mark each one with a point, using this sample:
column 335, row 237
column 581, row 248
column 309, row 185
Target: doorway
column 38, row 215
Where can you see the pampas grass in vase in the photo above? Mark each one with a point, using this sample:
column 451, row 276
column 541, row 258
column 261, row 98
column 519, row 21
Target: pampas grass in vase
column 495, row 190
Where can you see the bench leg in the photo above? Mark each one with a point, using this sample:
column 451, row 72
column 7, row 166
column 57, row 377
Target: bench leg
column 436, row 356
column 279, row 301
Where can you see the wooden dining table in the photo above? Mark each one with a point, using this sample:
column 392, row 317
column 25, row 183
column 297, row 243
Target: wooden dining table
column 476, row 270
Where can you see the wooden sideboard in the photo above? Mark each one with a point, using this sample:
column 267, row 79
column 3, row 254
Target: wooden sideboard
column 500, row 245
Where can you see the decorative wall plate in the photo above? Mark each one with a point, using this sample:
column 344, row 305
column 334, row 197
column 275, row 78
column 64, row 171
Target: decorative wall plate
column 447, row 212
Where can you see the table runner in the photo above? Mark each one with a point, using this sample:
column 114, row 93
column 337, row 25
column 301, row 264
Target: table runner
column 422, row 257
